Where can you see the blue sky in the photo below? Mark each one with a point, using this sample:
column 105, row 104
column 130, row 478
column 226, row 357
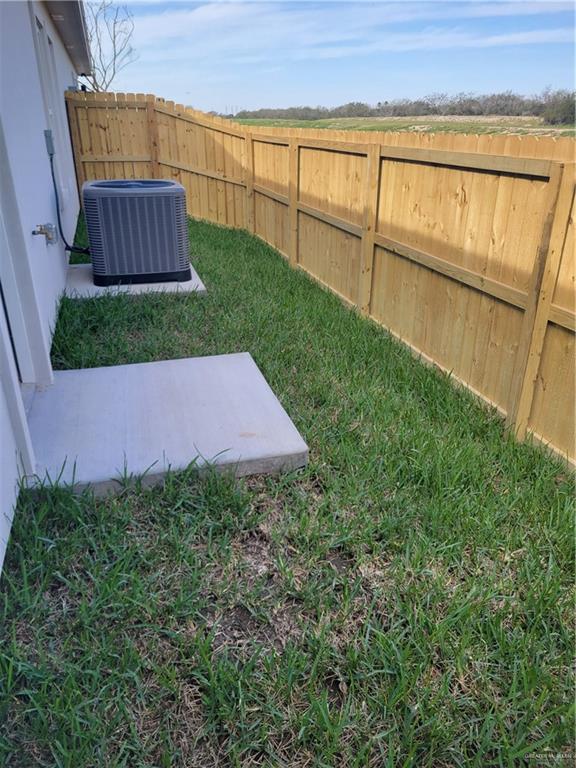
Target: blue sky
column 230, row 54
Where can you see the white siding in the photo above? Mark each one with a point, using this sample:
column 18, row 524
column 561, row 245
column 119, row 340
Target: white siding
column 24, row 118
column 8, row 473
column 16, row 454
column 27, row 200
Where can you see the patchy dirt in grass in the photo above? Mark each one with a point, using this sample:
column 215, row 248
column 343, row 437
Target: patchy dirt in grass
column 235, row 628
column 287, row 622
column 347, row 630
column 238, row 630
column 255, row 556
column 340, row 562
column 174, row 725
column 30, row 752
column 188, row 730
column 25, row 638
column 262, row 501
column 259, row 611
column 336, row 688
column 376, row 575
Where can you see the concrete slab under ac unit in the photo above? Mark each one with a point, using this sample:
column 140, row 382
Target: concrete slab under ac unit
column 93, row 425
column 79, row 285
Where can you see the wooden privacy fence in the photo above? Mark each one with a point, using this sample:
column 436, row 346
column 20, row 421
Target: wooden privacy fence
column 461, row 246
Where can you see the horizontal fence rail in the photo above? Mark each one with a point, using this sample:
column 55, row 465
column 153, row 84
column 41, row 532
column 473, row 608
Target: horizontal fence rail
column 461, row 246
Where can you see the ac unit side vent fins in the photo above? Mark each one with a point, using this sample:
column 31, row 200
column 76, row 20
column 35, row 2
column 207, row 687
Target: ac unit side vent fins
column 137, row 231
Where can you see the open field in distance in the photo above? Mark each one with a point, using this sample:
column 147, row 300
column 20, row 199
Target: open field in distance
column 428, row 124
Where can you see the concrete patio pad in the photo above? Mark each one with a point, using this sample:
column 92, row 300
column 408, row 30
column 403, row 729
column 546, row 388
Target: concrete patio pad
column 92, row 425
column 79, row 285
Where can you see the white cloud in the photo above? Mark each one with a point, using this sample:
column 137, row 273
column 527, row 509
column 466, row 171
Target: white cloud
column 228, row 33
column 221, row 42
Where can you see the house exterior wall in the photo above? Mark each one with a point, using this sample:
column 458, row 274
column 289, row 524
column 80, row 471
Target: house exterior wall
column 8, row 476
column 30, row 84
column 16, row 453
column 24, row 118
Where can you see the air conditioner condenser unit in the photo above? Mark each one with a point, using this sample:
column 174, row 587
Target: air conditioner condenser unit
column 137, row 231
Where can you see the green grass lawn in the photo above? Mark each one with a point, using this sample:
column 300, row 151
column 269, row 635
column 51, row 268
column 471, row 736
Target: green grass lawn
column 406, row 600
column 426, row 124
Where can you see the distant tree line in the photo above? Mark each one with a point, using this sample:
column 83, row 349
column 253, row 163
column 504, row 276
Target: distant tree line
column 553, row 106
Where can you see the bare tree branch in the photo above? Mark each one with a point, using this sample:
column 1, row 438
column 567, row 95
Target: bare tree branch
column 110, row 29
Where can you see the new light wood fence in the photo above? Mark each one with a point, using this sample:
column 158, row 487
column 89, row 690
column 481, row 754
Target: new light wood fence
column 461, row 246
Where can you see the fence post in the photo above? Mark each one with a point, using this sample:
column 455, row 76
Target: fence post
column 369, row 227
column 540, row 294
column 293, row 185
column 153, row 135
column 71, row 108
column 249, row 180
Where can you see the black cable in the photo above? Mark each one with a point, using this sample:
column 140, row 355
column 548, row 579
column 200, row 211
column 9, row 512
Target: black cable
column 71, row 248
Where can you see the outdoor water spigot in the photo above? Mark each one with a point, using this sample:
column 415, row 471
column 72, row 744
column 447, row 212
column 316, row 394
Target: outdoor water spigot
column 49, row 232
